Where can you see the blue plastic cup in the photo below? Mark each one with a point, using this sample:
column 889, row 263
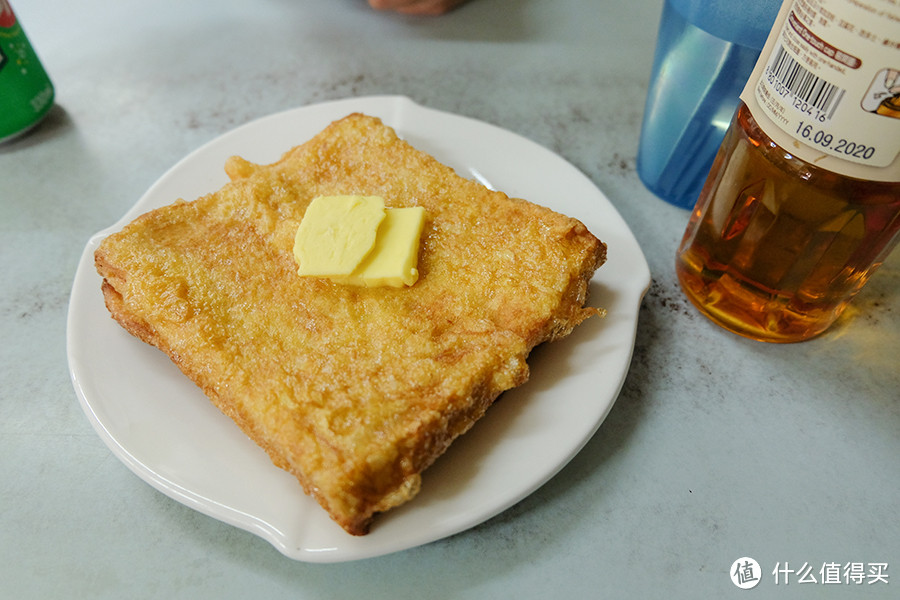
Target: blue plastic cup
column 705, row 52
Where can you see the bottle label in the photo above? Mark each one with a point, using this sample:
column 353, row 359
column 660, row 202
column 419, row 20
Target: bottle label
column 827, row 85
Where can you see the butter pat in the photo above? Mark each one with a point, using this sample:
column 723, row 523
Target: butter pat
column 394, row 259
column 336, row 233
column 355, row 240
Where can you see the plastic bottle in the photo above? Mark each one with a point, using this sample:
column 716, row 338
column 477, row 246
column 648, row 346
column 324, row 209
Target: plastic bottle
column 705, row 52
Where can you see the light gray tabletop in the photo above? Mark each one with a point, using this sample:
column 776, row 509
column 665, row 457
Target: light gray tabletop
column 717, row 447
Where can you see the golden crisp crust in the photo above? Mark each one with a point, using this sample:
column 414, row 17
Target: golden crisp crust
column 355, row 391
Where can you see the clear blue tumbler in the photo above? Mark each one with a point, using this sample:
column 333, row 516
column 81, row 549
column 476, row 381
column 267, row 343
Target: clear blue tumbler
column 705, row 52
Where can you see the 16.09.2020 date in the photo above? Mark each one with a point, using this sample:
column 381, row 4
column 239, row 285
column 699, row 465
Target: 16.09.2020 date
column 824, row 139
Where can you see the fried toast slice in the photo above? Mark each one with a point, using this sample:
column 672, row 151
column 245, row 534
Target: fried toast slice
column 353, row 390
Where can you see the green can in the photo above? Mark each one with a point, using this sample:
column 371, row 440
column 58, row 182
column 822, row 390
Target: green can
column 26, row 93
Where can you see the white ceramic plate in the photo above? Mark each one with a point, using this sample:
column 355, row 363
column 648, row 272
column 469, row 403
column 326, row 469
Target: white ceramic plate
column 167, row 432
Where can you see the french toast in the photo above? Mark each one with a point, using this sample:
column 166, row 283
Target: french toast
column 353, row 390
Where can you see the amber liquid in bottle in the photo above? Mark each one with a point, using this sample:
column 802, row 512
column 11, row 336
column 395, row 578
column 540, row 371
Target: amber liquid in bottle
column 776, row 247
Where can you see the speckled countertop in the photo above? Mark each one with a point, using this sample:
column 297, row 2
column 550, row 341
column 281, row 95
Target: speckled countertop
column 717, row 447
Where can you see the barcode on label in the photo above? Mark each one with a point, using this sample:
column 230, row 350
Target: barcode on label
column 805, row 85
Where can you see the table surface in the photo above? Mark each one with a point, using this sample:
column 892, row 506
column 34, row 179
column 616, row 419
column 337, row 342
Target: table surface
column 717, row 447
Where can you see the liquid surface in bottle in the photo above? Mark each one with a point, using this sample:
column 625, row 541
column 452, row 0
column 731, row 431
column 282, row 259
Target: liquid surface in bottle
column 776, row 247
